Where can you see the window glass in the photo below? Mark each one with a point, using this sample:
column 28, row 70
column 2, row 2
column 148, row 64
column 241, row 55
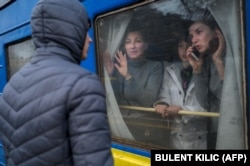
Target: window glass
column 173, row 72
column 18, row 55
column 3, row 3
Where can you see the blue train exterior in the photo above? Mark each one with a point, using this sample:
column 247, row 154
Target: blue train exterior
column 15, row 26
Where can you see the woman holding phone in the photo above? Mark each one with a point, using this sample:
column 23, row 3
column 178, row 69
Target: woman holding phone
column 178, row 93
column 208, row 71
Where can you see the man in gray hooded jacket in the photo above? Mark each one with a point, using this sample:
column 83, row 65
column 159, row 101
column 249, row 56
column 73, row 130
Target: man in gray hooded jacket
column 53, row 112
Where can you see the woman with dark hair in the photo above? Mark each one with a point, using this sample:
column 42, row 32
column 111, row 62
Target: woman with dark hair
column 208, row 69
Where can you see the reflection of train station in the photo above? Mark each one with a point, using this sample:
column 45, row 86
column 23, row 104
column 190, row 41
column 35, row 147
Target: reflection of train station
column 158, row 98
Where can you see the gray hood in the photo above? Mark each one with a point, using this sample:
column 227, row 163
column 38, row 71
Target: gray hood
column 60, row 24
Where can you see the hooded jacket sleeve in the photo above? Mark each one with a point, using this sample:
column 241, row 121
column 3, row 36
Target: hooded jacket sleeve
column 89, row 132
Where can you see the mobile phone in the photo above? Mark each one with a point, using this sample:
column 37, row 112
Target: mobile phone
column 195, row 54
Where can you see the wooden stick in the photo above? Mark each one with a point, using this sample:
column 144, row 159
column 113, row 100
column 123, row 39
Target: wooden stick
column 181, row 112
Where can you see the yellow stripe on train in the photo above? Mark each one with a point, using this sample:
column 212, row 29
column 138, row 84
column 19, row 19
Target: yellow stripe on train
column 122, row 158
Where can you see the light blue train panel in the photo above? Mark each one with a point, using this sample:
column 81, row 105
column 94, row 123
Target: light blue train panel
column 1, row 155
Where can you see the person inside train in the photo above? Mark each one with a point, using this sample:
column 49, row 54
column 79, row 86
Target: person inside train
column 53, row 111
column 136, row 79
column 177, row 93
column 208, row 42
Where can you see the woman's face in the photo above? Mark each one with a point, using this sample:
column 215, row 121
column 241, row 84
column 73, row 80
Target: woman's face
column 200, row 35
column 182, row 47
column 135, row 45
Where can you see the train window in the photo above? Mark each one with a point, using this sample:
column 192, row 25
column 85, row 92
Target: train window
column 174, row 75
column 4, row 2
column 18, row 55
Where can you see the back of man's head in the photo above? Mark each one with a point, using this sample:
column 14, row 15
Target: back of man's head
column 60, row 23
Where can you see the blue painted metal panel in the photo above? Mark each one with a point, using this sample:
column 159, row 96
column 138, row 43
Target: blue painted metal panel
column 17, row 12
column 131, row 149
column 2, row 161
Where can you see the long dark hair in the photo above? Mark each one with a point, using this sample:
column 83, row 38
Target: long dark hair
column 204, row 17
column 207, row 19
